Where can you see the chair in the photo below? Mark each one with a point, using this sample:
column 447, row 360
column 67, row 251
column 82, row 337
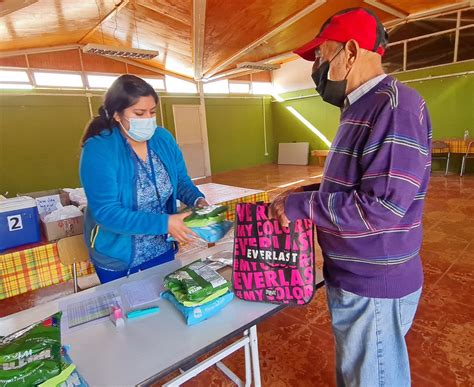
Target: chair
column 71, row 251
column 440, row 151
column 469, row 155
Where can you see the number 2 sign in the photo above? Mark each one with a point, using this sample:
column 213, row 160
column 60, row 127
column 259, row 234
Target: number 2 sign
column 15, row 223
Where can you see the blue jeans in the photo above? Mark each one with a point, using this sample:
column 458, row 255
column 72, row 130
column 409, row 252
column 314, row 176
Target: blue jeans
column 370, row 338
column 111, row 275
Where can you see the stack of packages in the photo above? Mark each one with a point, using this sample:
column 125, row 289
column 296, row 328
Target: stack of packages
column 33, row 356
column 197, row 291
column 209, row 223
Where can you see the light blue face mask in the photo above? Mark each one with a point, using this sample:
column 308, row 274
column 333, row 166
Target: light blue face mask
column 141, row 129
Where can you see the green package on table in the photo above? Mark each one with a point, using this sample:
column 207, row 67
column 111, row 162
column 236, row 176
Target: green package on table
column 32, row 355
column 202, row 217
column 182, row 298
column 195, row 282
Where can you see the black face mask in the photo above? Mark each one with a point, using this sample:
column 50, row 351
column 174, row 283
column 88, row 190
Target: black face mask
column 333, row 92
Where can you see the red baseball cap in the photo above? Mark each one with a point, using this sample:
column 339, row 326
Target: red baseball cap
column 359, row 24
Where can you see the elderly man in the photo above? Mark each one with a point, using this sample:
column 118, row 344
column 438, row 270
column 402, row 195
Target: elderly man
column 368, row 209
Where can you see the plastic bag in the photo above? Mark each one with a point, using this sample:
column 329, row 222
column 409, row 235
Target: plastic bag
column 32, row 355
column 69, row 377
column 196, row 314
column 202, row 217
column 195, row 282
column 62, row 213
column 212, row 233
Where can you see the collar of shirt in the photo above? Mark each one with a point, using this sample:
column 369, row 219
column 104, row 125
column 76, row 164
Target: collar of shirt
column 363, row 89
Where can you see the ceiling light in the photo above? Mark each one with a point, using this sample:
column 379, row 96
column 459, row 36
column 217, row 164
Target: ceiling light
column 121, row 52
column 258, row 66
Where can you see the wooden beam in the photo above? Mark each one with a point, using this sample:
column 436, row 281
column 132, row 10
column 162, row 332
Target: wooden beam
column 434, row 12
column 154, row 69
column 9, row 6
column 109, row 15
column 199, row 24
column 386, row 8
column 39, row 50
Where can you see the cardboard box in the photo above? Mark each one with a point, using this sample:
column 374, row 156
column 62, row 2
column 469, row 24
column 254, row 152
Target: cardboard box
column 63, row 228
column 60, row 228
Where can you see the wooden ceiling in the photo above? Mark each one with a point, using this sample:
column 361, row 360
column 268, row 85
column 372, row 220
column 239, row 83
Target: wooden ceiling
column 232, row 31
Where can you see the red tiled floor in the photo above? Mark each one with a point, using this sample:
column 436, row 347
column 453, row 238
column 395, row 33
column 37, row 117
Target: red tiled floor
column 296, row 345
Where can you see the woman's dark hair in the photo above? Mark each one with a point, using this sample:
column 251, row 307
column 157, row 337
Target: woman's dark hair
column 123, row 93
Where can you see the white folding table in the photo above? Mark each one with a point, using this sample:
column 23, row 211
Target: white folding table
column 147, row 349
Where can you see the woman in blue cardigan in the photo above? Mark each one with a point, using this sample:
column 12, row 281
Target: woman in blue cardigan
column 133, row 172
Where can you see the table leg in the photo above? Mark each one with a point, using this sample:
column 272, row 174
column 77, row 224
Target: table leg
column 211, row 360
column 255, row 357
column 248, row 365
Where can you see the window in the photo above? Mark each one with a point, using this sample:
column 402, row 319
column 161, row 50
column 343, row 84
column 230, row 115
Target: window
column 216, row 87
column 466, row 44
column 422, row 27
column 14, row 76
column 15, row 86
column 263, row 88
column 430, row 51
column 177, row 85
column 100, row 81
column 58, row 79
column 240, row 88
column 157, row 83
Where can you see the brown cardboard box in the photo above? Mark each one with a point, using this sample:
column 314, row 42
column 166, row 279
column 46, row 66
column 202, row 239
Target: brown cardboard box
column 61, row 228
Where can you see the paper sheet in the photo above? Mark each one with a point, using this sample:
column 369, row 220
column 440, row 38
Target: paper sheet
column 88, row 310
column 47, row 204
column 138, row 293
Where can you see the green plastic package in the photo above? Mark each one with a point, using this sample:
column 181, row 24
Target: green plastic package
column 196, row 282
column 202, row 217
column 31, row 355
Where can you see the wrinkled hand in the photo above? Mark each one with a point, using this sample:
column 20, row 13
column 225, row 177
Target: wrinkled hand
column 178, row 230
column 277, row 209
column 201, row 203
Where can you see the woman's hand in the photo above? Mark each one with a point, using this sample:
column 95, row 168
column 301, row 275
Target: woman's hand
column 277, row 209
column 178, row 230
column 201, row 203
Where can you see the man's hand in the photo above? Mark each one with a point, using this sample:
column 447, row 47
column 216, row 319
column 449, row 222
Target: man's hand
column 178, row 230
column 277, row 209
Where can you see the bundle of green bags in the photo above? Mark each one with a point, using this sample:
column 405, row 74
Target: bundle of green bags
column 208, row 223
column 202, row 217
column 196, row 284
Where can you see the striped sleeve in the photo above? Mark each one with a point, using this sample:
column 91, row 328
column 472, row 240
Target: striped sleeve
column 394, row 164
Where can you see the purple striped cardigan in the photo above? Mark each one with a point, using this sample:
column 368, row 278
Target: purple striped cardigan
column 368, row 210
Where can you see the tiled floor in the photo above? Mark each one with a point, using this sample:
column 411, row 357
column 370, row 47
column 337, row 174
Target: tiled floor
column 296, row 345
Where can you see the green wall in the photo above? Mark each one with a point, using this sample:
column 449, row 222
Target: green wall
column 234, row 128
column 39, row 136
column 449, row 100
column 39, row 142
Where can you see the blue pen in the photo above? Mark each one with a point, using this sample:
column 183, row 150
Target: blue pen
column 142, row 312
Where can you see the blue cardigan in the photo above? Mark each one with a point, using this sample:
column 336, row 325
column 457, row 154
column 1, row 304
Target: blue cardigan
column 108, row 175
